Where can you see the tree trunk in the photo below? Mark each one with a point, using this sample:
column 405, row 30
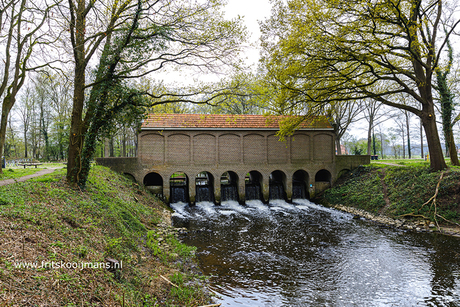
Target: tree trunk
column 453, row 150
column 25, row 144
column 369, row 134
column 437, row 161
column 76, row 124
column 7, row 104
column 421, row 139
column 408, row 135
column 337, row 144
column 76, row 128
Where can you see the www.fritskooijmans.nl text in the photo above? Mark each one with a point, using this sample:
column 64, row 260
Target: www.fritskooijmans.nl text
column 68, row 265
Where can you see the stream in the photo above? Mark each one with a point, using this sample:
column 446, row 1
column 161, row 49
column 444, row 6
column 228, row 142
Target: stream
column 303, row 254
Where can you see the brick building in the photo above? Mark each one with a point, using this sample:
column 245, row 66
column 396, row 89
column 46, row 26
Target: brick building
column 192, row 151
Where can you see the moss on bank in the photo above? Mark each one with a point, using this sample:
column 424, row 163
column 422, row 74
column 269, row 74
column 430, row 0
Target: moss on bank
column 400, row 191
column 70, row 236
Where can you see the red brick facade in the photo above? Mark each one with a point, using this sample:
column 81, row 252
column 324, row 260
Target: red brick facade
column 193, row 143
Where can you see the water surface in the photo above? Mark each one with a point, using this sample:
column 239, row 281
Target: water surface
column 303, row 254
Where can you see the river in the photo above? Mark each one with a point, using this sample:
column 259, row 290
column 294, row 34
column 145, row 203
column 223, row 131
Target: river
column 303, row 254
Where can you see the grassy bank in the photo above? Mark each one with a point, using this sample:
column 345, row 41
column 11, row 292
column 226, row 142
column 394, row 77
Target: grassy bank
column 64, row 247
column 409, row 191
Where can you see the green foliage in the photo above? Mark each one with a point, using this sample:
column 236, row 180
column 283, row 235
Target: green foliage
column 320, row 53
column 362, row 187
column 408, row 188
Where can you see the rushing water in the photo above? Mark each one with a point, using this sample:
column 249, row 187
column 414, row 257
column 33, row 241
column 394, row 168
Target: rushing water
column 303, row 254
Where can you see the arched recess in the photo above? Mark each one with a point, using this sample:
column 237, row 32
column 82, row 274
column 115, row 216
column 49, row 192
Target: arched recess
column 324, row 147
column 178, row 186
column 152, row 148
column 254, row 150
column 130, row 177
column 277, row 187
column 229, row 148
column 204, row 149
column 300, row 184
column 253, row 186
column 229, row 186
column 154, row 183
column 323, row 180
column 179, row 149
column 204, row 187
column 277, row 150
column 323, row 176
column 343, row 172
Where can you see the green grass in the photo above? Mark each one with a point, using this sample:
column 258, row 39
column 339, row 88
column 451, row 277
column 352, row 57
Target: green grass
column 20, row 171
column 408, row 188
column 43, row 219
column 14, row 173
column 410, row 162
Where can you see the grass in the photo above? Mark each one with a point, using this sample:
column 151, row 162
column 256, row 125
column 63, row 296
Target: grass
column 43, row 220
column 20, row 171
column 14, row 173
column 411, row 162
column 400, row 190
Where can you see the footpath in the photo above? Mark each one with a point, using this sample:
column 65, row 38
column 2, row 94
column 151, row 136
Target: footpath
column 24, row 178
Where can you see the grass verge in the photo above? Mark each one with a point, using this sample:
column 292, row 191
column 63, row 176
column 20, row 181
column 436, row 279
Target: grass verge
column 111, row 245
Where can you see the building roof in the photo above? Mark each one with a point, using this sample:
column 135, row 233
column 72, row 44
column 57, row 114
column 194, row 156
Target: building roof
column 221, row 121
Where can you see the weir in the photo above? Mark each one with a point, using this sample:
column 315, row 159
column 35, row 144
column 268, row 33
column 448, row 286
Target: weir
column 196, row 157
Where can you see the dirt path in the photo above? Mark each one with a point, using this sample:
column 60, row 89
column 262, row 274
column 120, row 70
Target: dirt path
column 24, row 178
column 391, row 164
column 385, row 192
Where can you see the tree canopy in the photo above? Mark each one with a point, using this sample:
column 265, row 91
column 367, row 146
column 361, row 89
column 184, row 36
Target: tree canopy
column 325, row 52
column 136, row 38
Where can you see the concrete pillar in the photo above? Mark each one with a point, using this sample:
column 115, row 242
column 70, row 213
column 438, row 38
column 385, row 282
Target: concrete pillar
column 266, row 187
column 192, row 189
column 242, row 187
column 289, row 188
column 166, row 191
column 217, row 192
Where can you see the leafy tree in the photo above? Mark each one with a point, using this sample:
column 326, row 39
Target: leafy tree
column 447, row 106
column 139, row 37
column 320, row 52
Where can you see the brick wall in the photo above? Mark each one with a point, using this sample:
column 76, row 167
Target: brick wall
column 238, row 151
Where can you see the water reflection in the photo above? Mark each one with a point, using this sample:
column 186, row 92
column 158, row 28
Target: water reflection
column 303, row 254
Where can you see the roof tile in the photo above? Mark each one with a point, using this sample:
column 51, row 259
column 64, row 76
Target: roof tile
column 216, row 121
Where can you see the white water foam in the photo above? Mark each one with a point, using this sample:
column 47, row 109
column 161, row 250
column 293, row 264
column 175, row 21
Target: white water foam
column 305, row 204
column 180, row 210
column 235, row 206
column 206, row 207
column 279, row 203
column 257, row 204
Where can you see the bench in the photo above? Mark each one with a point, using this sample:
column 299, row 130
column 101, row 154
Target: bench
column 30, row 164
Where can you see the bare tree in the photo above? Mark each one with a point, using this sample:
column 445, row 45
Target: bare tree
column 371, row 110
column 342, row 115
column 21, row 23
column 24, row 111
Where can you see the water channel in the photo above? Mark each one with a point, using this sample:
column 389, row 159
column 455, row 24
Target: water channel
column 303, row 254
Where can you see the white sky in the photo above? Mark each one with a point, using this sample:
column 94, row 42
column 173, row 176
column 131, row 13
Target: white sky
column 252, row 11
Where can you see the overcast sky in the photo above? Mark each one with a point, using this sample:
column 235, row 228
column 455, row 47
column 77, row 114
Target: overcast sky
column 252, row 11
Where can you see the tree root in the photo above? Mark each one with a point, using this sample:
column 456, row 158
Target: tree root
column 432, row 200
